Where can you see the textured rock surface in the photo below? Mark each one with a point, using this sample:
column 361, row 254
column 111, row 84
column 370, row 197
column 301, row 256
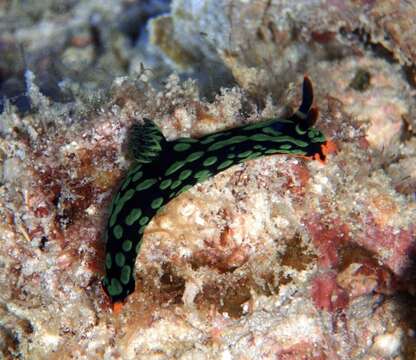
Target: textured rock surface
column 277, row 258
column 268, row 42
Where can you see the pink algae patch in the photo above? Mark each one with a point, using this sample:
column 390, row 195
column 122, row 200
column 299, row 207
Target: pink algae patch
column 327, row 239
column 399, row 245
column 353, row 269
column 301, row 351
column 327, row 294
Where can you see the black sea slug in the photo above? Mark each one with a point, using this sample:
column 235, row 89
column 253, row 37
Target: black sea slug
column 164, row 169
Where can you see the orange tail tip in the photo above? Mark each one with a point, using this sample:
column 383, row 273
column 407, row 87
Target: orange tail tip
column 329, row 147
column 117, row 307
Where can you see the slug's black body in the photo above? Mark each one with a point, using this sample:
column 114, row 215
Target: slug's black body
column 166, row 169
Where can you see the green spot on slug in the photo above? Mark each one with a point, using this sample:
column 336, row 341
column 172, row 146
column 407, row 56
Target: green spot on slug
column 144, row 185
column 115, row 288
column 165, row 184
column 231, row 156
column 127, row 195
column 120, row 259
column 282, row 151
column 299, row 130
column 137, row 176
column 261, row 137
column 175, row 184
column 119, row 207
column 318, row 138
column 133, row 216
column 127, row 245
column 125, row 184
column 187, row 140
column 134, row 169
column 160, row 209
column 254, row 155
column 210, row 160
column 174, row 167
column 294, row 141
column 156, row 203
column 202, row 175
column 259, row 124
column 207, row 140
column 139, row 244
column 185, row 174
column 245, row 154
column 144, row 220
column 285, row 146
column 223, row 143
column 118, row 232
column 108, row 261
column 271, row 131
column 181, row 147
column 298, row 152
column 116, row 211
column 141, row 230
column 225, row 164
column 264, row 137
column 125, row 274
column 113, row 218
column 194, row 156
column 211, row 138
column 313, row 132
column 276, row 151
column 185, row 188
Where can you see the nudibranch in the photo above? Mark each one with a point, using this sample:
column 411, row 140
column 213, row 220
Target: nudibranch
column 164, row 169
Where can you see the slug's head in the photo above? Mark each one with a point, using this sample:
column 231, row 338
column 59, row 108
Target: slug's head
column 318, row 146
column 302, row 137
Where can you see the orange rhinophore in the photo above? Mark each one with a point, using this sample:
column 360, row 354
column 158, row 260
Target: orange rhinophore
column 329, row 147
column 117, row 307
